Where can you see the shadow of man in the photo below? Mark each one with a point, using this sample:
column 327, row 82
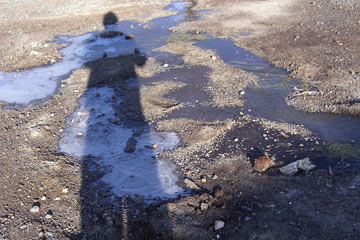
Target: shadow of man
column 108, row 125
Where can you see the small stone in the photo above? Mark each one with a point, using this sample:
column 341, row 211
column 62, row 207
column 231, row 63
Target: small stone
column 204, row 197
column 35, row 209
column 193, row 202
column 65, row 190
column 130, row 36
column 155, row 146
column 57, row 199
column 261, row 164
column 79, row 135
column 43, row 198
column 204, row 206
column 136, row 50
column 166, row 65
column 215, row 177
column 213, row 58
column 204, row 180
column 284, row 135
column 236, row 140
column 219, row 193
column 219, row 225
column 191, row 184
column 188, row 172
column 35, row 53
column 114, row 121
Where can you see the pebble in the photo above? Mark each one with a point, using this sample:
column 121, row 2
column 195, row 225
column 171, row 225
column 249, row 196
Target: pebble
column 136, row 50
column 191, row 184
column 219, row 193
column 219, row 225
column 215, row 177
column 65, row 190
column 129, row 36
column 35, row 209
column 204, row 206
column 284, row 135
column 166, row 65
column 43, row 198
column 213, row 58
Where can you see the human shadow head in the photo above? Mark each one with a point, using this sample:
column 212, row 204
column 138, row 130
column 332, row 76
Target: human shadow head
column 114, row 70
column 110, row 18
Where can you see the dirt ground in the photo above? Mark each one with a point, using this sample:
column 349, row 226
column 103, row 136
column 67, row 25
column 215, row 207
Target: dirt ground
column 316, row 41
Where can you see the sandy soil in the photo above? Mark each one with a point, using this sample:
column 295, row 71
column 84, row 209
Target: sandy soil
column 316, row 40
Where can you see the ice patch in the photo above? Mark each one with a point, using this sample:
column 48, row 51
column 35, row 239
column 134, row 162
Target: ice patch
column 38, row 83
column 94, row 129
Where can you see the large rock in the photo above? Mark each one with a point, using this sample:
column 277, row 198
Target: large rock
column 261, row 164
column 294, row 167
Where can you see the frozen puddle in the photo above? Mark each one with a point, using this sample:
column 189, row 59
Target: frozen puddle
column 94, row 130
column 39, row 83
column 36, row 84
